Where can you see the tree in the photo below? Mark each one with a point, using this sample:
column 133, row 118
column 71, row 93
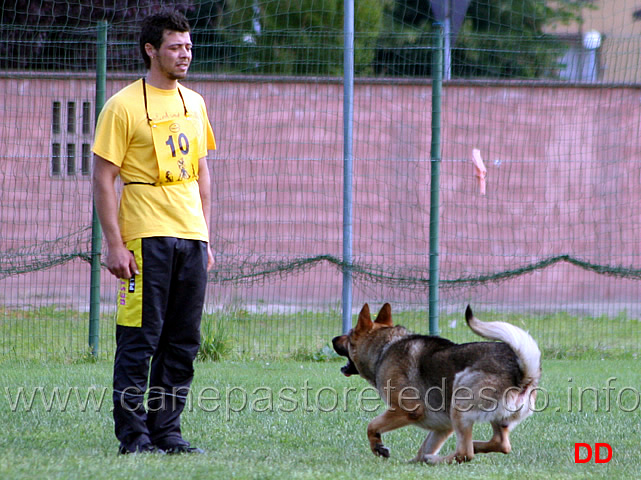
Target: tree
column 61, row 34
column 499, row 38
column 301, row 37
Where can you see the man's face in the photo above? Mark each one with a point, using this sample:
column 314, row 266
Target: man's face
column 173, row 57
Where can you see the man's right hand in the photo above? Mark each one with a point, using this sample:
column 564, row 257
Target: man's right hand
column 121, row 262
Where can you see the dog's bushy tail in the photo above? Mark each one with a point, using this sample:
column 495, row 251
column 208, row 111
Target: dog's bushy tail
column 521, row 342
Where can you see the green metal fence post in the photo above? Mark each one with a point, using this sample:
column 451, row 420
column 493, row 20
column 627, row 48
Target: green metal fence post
column 348, row 162
column 96, row 230
column 435, row 178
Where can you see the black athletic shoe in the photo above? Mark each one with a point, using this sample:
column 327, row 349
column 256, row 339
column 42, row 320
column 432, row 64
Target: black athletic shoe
column 180, row 449
column 146, row 448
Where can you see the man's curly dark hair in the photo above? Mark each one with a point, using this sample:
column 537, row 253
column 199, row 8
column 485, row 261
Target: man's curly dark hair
column 154, row 26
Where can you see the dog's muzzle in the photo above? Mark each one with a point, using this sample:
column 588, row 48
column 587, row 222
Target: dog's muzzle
column 340, row 347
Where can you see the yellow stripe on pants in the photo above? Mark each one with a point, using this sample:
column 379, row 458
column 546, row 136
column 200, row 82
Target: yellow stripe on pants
column 130, row 291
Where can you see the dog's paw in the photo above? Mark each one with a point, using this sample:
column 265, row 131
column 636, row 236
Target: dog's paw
column 381, row 450
column 431, row 459
column 449, row 459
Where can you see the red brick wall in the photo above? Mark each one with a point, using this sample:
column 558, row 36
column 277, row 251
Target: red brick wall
column 563, row 175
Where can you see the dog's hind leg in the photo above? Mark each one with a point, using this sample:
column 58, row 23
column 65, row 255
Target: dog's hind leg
column 500, row 441
column 386, row 422
column 432, row 444
column 464, row 442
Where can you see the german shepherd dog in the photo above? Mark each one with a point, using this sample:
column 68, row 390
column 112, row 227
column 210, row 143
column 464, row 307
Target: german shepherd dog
column 441, row 386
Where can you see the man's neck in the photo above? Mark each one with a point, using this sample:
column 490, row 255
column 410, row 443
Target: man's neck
column 160, row 81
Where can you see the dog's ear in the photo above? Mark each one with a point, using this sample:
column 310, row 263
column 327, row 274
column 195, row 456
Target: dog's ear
column 364, row 320
column 384, row 317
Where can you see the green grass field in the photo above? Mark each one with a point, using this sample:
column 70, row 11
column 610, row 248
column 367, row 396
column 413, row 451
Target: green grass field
column 55, row 333
column 288, row 419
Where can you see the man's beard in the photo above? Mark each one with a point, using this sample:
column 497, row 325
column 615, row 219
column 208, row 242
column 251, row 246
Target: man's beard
column 172, row 74
column 176, row 76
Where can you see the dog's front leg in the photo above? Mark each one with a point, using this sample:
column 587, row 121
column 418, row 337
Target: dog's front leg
column 387, row 421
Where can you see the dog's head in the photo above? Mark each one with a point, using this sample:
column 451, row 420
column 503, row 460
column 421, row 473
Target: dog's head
column 341, row 346
column 347, row 345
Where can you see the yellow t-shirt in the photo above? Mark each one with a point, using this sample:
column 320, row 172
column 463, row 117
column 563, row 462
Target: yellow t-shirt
column 123, row 137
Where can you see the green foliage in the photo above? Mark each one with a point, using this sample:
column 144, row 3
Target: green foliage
column 216, row 342
column 299, row 37
column 325, row 354
column 61, row 34
column 499, row 38
column 507, row 39
column 60, row 334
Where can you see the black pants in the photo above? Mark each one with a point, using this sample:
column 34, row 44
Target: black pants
column 174, row 277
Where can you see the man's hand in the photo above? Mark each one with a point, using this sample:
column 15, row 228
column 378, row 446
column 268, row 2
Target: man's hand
column 210, row 258
column 121, row 262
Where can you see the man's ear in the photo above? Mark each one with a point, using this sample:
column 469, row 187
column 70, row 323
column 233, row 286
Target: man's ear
column 150, row 50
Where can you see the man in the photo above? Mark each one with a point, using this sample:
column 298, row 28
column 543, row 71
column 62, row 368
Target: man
column 155, row 134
